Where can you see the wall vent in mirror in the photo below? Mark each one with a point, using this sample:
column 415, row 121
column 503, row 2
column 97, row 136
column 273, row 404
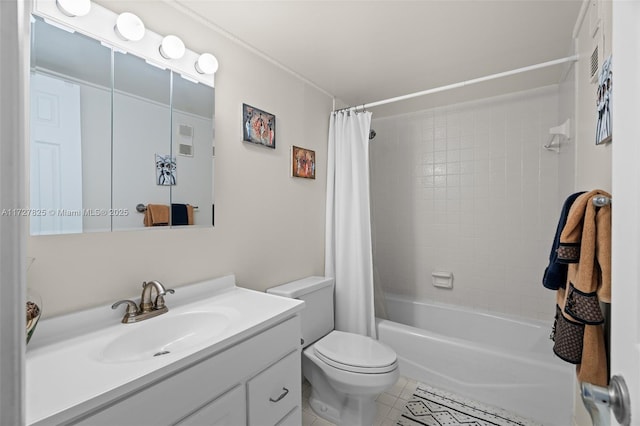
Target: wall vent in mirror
column 185, row 140
column 186, row 150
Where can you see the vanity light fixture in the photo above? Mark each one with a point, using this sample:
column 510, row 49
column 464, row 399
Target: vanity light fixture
column 206, row 64
column 129, row 27
column 172, row 47
column 74, row 7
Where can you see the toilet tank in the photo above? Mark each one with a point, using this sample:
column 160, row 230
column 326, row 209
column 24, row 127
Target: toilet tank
column 317, row 315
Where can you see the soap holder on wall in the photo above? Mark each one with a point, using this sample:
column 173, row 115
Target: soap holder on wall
column 556, row 132
column 442, row 279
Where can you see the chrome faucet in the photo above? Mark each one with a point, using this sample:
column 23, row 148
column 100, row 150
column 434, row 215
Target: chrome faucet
column 148, row 308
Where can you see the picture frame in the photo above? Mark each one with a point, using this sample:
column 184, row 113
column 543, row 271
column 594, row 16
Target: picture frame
column 166, row 167
column 603, row 104
column 258, row 126
column 303, row 163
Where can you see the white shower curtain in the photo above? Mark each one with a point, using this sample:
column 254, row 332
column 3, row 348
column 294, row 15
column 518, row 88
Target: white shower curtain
column 348, row 254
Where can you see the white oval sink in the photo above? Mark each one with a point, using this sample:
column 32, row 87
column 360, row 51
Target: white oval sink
column 162, row 336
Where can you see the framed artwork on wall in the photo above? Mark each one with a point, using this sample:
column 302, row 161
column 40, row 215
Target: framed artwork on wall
column 166, row 170
column 258, row 126
column 303, row 163
column 603, row 103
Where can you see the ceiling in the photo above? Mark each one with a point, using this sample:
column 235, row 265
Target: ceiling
column 364, row 51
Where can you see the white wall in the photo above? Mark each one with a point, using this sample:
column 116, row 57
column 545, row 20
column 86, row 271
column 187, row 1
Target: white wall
column 96, row 154
column 593, row 162
column 269, row 227
column 469, row 189
column 141, row 129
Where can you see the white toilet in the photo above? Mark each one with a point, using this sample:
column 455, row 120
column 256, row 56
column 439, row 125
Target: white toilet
column 347, row 371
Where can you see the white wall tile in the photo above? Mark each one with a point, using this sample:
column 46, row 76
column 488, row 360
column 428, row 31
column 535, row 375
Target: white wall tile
column 481, row 199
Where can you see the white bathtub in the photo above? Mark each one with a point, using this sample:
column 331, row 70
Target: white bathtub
column 496, row 359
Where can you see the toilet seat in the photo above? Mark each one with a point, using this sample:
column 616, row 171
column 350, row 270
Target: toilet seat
column 355, row 353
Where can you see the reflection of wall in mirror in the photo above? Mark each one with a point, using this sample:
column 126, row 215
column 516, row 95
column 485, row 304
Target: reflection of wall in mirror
column 141, row 128
column 196, row 174
column 96, row 155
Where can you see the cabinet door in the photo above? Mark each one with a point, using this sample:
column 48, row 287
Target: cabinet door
column 294, row 418
column 227, row 410
column 275, row 391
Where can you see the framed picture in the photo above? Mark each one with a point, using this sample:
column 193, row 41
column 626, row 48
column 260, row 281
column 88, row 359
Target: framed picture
column 258, row 126
column 603, row 103
column 166, row 170
column 303, row 163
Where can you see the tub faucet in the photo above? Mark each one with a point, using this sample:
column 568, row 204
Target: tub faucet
column 148, row 308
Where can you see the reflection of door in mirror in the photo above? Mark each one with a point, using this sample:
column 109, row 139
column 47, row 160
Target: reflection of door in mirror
column 70, row 165
column 56, row 158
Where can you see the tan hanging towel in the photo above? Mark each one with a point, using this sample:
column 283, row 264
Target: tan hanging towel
column 156, row 215
column 190, row 219
column 585, row 244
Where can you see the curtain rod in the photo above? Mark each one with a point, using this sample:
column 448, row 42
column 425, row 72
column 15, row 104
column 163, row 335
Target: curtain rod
column 464, row 83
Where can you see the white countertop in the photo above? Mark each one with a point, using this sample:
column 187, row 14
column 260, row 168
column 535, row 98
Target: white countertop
column 65, row 372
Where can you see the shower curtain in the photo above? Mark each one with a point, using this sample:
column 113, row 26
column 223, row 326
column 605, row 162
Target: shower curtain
column 348, row 253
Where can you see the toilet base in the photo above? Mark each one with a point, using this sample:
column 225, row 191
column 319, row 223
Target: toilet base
column 355, row 411
column 345, row 404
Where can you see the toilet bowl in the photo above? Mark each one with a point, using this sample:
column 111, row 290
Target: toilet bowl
column 347, row 371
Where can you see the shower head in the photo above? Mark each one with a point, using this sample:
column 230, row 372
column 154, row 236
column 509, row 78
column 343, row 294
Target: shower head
column 372, row 134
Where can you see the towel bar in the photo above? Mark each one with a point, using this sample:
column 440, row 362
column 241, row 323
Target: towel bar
column 141, row 208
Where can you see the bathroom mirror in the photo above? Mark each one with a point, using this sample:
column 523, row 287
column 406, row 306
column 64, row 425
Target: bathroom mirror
column 101, row 121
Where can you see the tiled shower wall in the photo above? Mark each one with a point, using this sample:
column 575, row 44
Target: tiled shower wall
column 469, row 189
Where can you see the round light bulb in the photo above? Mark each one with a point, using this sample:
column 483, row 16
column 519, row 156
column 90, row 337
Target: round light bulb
column 172, row 47
column 129, row 27
column 206, row 64
column 74, row 7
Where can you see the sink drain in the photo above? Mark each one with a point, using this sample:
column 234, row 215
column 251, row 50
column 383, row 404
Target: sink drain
column 161, row 353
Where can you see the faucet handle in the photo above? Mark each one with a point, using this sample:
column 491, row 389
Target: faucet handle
column 132, row 309
column 159, row 303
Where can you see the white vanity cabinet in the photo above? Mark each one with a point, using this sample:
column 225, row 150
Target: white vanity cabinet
column 222, row 355
column 256, row 382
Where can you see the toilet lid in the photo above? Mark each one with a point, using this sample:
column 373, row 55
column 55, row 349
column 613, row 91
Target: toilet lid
column 356, row 353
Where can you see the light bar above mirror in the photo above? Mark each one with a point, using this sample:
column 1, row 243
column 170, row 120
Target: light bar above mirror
column 126, row 32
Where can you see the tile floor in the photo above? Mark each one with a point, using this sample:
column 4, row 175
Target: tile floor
column 390, row 404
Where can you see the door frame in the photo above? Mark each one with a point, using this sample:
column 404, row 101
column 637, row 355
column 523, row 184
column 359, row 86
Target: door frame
column 625, row 259
column 14, row 113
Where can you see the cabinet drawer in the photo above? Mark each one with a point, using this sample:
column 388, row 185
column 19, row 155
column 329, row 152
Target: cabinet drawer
column 227, row 410
column 294, row 418
column 275, row 391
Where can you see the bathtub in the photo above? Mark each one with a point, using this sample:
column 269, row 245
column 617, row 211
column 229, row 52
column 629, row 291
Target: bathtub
column 499, row 360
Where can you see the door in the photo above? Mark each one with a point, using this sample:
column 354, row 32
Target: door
column 56, row 157
column 625, row 303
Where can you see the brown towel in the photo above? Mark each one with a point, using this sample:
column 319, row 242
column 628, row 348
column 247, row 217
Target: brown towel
column 585, row 244
column 190, row 214
column 156, row 215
